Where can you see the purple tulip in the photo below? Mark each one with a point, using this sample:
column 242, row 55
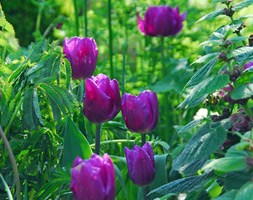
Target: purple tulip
column 141, row 164
column 161, row 21
column 82, row 54
column 93, row 178
column 248, row 65
column 102, row 100
column 140, row 113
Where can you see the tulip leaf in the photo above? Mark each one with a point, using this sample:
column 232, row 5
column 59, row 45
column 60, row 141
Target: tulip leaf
column 160, row 171
column 75, row 144
column 243, row 91
column 206, row 141
column 245, row 192
column 6, row 188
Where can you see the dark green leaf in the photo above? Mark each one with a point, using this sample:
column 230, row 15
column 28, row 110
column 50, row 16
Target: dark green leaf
column 201, row 74
column 36, row 105
column 183, row 185
column 245, row 192
column 75, row 144
column 227, row 196
column 206, row 141
column 243, row 91
column 204, row 88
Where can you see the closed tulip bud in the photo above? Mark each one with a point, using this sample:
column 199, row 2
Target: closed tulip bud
column 102, row 100
column 141, row 164
column 82, row 54
column 161, row 21
column 93, row 179
column 140, row 113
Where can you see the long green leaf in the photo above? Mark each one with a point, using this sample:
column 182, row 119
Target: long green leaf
column 7, row 189
column 75, row 144
column 242, row 5
column 245, row 192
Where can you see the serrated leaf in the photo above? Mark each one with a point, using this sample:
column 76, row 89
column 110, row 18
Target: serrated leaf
column 242, row 53
column 245, row 192
column 201, row 74
column 242, row 5
column 36, row 105
column 205, row 142
column 243, row 91
column 204, row 88
column 16, row 74
column 227, row 164
column 211, row 15
column 30, row 118
column 190, row 125
column 183, row 185
column 75, row 144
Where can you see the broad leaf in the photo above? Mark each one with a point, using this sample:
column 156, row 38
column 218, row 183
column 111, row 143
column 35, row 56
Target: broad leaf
column 245, row 192
column 75, row 144
column 183, row 185
column 243, row 91
column 206, row 141
column 242, row 5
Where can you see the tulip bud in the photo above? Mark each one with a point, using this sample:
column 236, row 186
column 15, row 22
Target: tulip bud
column 161, row 21
column 82, row 54
column 141, row 164
column 93, row 179
column 140, row 113
column 102, row 100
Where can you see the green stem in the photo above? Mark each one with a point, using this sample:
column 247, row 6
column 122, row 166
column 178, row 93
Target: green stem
column 145, row 191
column 162, row 57
column 110, row 39
column 97, row 139
column 248, row 110
column 13, row 163
column 85, row 18
column 143, row 139
column 114, row 141
column 7, row 129
column 76, row 17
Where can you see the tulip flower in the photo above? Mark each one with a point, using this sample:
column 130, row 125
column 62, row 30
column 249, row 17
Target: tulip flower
column 102, row 100
column 141, row 164
column 140, row 113
column 82, row 54
column 93, row 179
column 161, row 21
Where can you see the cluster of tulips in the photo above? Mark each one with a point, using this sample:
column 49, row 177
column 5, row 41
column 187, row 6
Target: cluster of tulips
column 95, row 178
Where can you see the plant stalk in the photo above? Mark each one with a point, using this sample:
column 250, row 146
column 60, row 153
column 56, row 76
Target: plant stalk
column 76, row 17
column 85, row 18
column 110, row 39
column 13, row 163
column 97, row 139
column 143, row 139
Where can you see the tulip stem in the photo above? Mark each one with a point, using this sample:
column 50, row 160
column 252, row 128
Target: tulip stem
column 143, row 139
column 13, row 163
column 110, row 39
column 76, row 17
column 145, row 191
column 85, row 18
column 97, row 140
